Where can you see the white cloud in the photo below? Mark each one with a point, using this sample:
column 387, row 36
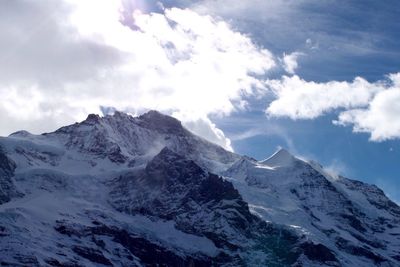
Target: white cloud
column 300, row 99
column 207, row 65
column 65, row 59
column 83, row 57
column 382, row 116
column 290, row 63
column 370, row 107
column 205, row 128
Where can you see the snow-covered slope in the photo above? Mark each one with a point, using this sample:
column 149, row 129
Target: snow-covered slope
column 139, row 191
column 355, row 220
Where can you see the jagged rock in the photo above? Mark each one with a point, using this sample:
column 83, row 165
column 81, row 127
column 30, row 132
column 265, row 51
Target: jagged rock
column 7, row 187
column 179, row 200
column 174, row 188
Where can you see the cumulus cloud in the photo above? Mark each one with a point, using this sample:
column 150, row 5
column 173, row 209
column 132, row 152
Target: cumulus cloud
column 370, row 107
column 289, row 61
column 72, row 58
column 334, row 48
column 382, row 116
column 300, row 99
column 64, row 59
column 208, row 66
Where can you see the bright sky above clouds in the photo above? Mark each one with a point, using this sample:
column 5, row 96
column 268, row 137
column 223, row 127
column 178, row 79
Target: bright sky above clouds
column 267, row 64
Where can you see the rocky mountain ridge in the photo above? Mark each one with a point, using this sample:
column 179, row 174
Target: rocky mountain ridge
column 139, row 191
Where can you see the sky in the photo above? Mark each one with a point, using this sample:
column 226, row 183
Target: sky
column 320, row 78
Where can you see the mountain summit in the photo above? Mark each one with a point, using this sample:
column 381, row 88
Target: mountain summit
column 280, row 158
column 120, row 190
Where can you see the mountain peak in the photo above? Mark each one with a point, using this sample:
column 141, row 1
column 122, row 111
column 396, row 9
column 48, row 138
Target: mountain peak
column 21, row 133
column 181, row 190
column 280, row 158
column 153, row 112
column 162, row 123
column 121, row 115
column 156, row 115
column 93, row 118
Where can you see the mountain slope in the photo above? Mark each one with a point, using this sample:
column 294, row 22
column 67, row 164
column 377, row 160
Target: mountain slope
column 7, row 187
column 131, row 191
column 355, row 220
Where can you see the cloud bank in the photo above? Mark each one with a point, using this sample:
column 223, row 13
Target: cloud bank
column 65, row 59
column 72, row 58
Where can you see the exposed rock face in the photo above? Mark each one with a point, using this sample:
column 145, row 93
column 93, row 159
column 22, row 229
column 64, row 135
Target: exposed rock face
column 122, row 138
column 7, row 187
column 174, row 188
column 140, row 191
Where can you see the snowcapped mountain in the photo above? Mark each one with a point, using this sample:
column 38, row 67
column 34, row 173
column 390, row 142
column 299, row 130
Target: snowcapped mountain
column 356, row 221
column 144, row 191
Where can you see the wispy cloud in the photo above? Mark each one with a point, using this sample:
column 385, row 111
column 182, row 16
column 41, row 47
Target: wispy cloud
column 337, row 167
column 256, row 128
